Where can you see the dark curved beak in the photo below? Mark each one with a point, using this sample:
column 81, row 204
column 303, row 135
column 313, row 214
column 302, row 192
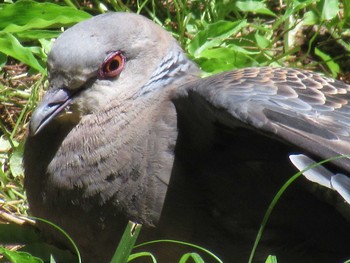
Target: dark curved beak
column 52, row 104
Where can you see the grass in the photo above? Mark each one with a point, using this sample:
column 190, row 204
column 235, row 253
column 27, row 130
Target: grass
column 251, row 33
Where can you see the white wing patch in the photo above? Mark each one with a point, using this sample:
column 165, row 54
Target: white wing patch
column 319, row 174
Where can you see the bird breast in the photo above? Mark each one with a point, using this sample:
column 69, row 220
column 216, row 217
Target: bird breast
column 112, row 155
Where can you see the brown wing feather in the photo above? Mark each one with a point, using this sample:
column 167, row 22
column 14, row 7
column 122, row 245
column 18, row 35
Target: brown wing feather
column 302, row 108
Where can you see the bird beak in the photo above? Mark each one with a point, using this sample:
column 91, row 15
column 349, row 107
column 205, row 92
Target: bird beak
column 52, row 104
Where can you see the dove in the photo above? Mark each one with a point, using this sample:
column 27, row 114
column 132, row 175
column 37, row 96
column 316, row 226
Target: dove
column 128, row 130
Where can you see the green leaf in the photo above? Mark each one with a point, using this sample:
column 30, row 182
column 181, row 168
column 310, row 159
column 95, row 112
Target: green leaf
column 192, row 257
column 328, row 9
column 38, row 34
column 140, row 255
column 214, row 35
column 310, row 18
column 177, row 242
column 333, row 67
column 254, row 6
column 52, row 259
column 126, row 243
column 277, row 198
column 10, row 46
column 18, row 256
column 45, row 45
column 262, row 41
column 34, row 244
column 25, row 15
column 16, row 161
column 214, row 66
column 221, row 59
column 238, row 48
column 271, row 259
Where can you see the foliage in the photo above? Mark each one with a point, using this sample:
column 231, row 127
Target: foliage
column 219, row 35
column 127, row 243
column 263, row 32
column 18, row 256
column 33, row 23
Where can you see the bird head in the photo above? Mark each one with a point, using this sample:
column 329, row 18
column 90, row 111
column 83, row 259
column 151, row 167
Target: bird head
column 111, row 56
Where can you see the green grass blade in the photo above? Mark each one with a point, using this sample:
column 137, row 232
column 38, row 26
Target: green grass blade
column 190, row 257
column 271, row 259
column 126, row 243
column 278, row 196
column 63, row 232
column 216, row 258
column 142, row 254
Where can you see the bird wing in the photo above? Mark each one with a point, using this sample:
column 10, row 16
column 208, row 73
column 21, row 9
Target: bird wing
column 299, row 107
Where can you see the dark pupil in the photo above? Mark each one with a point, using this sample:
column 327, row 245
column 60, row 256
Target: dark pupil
column 113, row 65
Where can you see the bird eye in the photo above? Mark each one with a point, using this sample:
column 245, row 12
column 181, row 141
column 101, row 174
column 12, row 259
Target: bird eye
column 112, row 65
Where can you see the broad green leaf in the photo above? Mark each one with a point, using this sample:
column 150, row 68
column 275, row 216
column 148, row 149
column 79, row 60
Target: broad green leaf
column 254, row 6
column 310, row 18
column 328, row 9
column 242, row 50
column 38, row 34
column 262, row 41
column 216, row 65
column 18, row 256
column 25, row 15
column 10, row 46
column 227, row 53
column 16, row 161
column 214, row 35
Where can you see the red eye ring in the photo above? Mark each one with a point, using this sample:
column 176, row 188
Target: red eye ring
column 112, row 65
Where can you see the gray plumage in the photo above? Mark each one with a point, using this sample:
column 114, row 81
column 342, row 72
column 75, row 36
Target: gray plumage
column 143, row 138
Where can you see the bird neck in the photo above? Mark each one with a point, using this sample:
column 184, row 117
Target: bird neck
column 174, row 69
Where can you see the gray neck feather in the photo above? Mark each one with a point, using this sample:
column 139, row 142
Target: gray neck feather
column 175, row 68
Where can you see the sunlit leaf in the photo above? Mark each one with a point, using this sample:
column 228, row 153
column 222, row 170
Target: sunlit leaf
column 271, row 259
column 214, row 35
column 16, row 161
column 332, row 65
column 254, row 6
column 126, row 243
column 25, row 15
column 191, row 257
column 310, row 18
column 18, row 256
column 328, row 9
column 10, row 46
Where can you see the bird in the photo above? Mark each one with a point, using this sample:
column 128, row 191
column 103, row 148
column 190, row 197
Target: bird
column 129, row 130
